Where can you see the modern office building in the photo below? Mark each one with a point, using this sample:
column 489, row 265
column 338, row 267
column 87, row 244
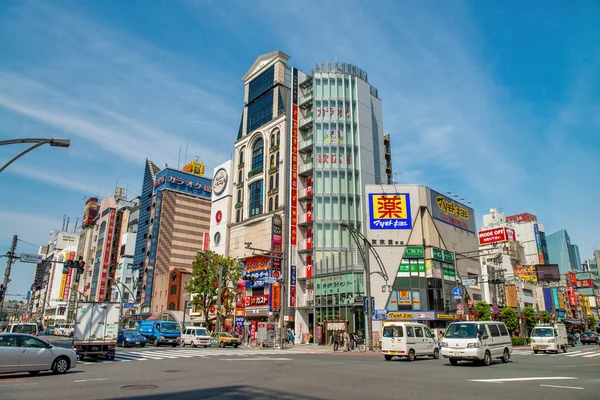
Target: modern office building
column 530, row 233
column 308, row 143
column 562, row 252
column 179, row 227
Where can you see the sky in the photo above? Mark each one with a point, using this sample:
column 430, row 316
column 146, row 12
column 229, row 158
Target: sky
column 498, row 102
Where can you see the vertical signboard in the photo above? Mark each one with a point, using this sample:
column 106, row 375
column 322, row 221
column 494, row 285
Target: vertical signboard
column 69, row 276
column 292, row 302
column 538, row 242
column 275, row 303
column 108, row 244
column 276, row 246
column 294, row 163
column 153, row 246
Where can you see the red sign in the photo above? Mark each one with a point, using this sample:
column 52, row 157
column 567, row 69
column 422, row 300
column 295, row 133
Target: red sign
column 107, row 248
column 334, row 158
column 219, row 216
column 470, row 303
column 275, row 297
column 309, row 266
column 294, row 166
column 572, row 279
column 525, row 217
column 259, row 263
column 257, row 301
column 585, row 283
column 572, row 300
column 496, row 235
column 459, row 306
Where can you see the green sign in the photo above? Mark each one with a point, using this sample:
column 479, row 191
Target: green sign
column 442, row 255
column 412, row 266
column 414, row 252
column 449, row 272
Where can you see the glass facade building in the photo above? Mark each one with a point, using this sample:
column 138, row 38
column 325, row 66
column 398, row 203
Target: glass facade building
column 562, row 252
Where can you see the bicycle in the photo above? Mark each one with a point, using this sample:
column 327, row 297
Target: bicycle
column 376, row 345
column 360, row 345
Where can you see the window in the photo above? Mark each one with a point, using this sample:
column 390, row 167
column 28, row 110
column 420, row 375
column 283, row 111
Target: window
column 8, row 341
column 240, row 177
column 260, row 111
column 428, row 333
column 32, row 342
column 270, row 204
column 127, row 280
column 278, row 136
column 173, row 289
column 494, row 330
column 276, row 201
column 410, row 331
column 271, row 182
column 277, row 159
column 257, row 154
column 277, row 180
column 261, row 83
column 272, row 161
column 272, row 142
column 241, row 156
column 419, row 331
column 237, row 216
column 256, row 198
column 171, row 306
column 503, row 330
column 239, row 196
column 393, row 332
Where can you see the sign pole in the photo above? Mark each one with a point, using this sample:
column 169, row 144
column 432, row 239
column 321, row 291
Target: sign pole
column 11, row 254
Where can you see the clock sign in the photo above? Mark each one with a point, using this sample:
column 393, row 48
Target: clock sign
column 219, row 216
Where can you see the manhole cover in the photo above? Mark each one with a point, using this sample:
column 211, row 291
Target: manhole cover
column 139, row 387
column 173, row 370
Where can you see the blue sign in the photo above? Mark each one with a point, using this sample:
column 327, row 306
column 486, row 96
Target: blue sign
column 365, row 304
column 389, row 211
column 183, row 182
column 457, row 292
column 495, row 309
column 380, row 315
column 259, row 278
column 128, row 305
column 292, row 275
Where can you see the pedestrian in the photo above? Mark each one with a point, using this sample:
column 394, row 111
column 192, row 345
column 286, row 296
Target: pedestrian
column 346, row 341
column 292, row 336
column 440, row 338
column 336, row 340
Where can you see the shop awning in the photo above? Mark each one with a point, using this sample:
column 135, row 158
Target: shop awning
column 573, row 321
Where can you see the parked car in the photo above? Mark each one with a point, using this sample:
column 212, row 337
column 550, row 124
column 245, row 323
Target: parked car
column 129, row 338
column 590, row 338
column 195, row 336
column 49, row 330
column 27, row 328
column 27, row 353
column 223, row 339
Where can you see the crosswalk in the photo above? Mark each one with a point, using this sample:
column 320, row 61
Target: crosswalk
column 587, row 353
column 145, row 355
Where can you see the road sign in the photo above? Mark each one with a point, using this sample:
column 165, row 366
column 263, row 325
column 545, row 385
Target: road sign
column 276, row 274
column 269, row 279
column 468, row 282
column 457, row 292
column 247, row 323
column 460, row 312
column 31, row 258
column 495, row 309
column 470, row 303
column 459, row 306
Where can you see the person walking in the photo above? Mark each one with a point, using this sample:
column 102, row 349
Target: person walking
column 440, row 338
column 336, row 340
column 292, row 336
column 346, row 341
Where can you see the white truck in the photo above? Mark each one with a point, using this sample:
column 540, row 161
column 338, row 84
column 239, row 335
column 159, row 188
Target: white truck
column 96, row 329
column 549, row 337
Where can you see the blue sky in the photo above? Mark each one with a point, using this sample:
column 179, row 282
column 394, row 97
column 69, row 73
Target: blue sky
column 496, row 101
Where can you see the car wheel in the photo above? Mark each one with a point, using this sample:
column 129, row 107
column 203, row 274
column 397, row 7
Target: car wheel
column 453, row 361
column 156, row 343
column 487, row 359
column 183, row 343
column 436, row 354
column 536, row 351
column 206, row 347
column 411, row 355
column 34, row 373
column 60, row 365
column 174, row 344
column 222, row 344
column 564, row 348
column 506, row 356
column 143, row 345
column 236, row 345
column 387, row 357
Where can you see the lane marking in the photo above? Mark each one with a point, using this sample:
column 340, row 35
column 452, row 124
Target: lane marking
column 592, row 355
column 89, row 380
column 19, row 384
column 535, row 378
column 258, row 359
column 563, row 387
column 581, row 354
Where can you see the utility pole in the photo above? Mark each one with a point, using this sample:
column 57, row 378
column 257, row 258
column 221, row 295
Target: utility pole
column 368, row 293
column 219, row 290
column 11, row 255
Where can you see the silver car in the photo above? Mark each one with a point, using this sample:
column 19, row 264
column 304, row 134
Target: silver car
column 26, row 353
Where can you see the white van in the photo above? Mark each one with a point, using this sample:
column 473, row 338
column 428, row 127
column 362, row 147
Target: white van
column 407, row 339
column 195, row 336
column 479, row 341
column 549, row 338
column 30, row 329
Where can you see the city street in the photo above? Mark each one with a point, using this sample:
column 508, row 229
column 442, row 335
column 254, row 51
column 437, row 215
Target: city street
column 311, row 373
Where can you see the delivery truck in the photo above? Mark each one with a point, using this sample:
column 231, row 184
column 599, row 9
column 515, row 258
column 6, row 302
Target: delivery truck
column 96, row 329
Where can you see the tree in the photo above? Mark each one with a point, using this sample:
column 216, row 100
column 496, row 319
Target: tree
column 530, row 320
column 204, row 282
column 482, row 309
column 509, row 317
column 591, row 320
column 546, row 317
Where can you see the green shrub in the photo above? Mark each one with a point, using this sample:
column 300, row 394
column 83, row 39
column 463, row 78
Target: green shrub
column 517, row 341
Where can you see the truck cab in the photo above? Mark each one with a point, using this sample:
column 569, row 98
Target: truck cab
column 549, row 337
column 160, row 332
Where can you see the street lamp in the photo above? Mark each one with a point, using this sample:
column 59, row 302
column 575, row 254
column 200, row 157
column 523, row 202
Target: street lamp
column 37, row 142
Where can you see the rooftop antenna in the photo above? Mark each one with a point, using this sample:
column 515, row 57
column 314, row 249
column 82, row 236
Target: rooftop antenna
column 197, row 158
column 185, row 158
column 179, row 157
column 67, row 226
column 63, row 225
column 75, row 227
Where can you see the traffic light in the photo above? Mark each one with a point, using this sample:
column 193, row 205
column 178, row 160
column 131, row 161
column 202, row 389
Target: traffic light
column 249, row 278
column 80, row 266
column 1, row 292
column 67, row 265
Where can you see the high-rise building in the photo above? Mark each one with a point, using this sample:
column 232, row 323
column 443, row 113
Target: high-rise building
column 143, row 226
column 308, row 143
column 562, row 252
column 530, row 233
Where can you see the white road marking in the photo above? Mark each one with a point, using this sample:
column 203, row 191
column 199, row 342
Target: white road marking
column 581, row 354
column 570, row 354
column 258, row 359
column 18, row 384
column 563, row 387
column 592, row 355
column 89, row 380
column 535, row 378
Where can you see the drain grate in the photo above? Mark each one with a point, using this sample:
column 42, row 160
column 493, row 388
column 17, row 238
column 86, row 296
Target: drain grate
column 173, row 370
column 139, row 387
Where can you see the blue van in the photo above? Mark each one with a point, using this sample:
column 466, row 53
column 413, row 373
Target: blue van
column 160, row 332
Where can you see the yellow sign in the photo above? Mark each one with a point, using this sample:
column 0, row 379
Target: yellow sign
column 390, row 211
column 63, row 284
column 451, row 207
column 400, row 315
column 195, row 168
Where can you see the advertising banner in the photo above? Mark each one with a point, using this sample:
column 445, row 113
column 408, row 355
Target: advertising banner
column 258, row 263
column 547, row 272
column 259, row 278
column 585, row 283
column 257, row 301
column 572, row 279
column 404, row 297
column 525, row 217
column 294, row 162
column 572, row 299
column 275, row 293
column 277, row 230
column 389, row 211
column 183, row 182
column 67, row 291
column 526, row 272
column 107, row 250
column 239, row 326
column 496, row 235
column 538, row 242
column 452, row 212
column 414, row 252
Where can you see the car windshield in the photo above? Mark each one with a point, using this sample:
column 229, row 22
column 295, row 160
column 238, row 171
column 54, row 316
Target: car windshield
column 130, row 333
column 543, row 332
column 201, row 332
column 461, row 331
column 170, row 327
column 589, row 334
column 29, row 329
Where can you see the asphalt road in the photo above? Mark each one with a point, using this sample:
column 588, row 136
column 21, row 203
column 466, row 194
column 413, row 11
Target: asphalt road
column 263, row 374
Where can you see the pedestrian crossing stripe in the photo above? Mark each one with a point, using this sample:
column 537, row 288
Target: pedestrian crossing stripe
column 144, row 355
column 576, row 353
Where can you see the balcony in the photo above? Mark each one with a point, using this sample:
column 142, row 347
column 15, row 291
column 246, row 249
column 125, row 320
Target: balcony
column 306, row 169
column 307, row 82
column 306, row 145
column 273, row 148
column 241, row 165
column 388, row 155
column 306, row 122
column 255, row 172
column 305, row 220
column 273, row 191
column 306, row 100
column 305, row 194
column 273, row 169
column 303, row 249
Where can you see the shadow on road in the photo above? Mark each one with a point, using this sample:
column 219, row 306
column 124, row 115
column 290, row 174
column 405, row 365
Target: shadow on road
column 238, row 392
